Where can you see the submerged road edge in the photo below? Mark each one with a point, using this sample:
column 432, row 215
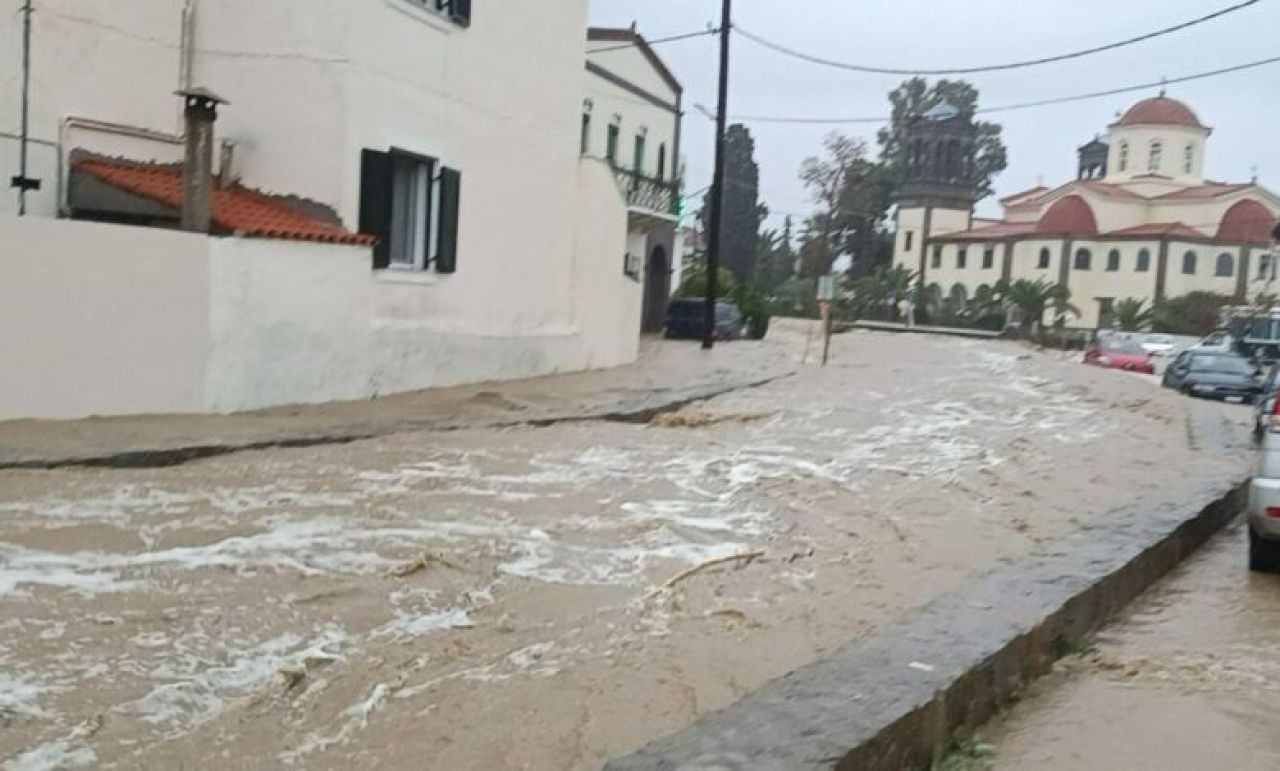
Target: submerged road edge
column 903, row 697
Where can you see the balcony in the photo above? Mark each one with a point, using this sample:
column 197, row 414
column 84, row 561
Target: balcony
column 648, row 196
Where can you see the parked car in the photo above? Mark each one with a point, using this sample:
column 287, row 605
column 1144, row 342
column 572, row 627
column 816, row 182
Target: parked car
column 1215, row 342
column 1159, row 345
column 1119, row 354
column 686, row 319
column 1213, row 375
column 1264, row 507
column 1265, row 405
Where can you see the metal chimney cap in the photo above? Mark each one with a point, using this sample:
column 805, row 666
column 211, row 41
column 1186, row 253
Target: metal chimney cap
column 202, row 94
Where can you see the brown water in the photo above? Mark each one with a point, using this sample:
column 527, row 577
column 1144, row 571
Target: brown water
column 1189, row 679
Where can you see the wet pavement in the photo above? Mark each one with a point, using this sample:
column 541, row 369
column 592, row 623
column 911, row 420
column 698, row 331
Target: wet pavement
column 1187, row 679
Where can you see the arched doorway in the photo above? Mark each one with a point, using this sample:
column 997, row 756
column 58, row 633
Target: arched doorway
column 657, row 288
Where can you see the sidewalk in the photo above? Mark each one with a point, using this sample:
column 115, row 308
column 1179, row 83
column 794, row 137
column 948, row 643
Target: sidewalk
column 667, row 373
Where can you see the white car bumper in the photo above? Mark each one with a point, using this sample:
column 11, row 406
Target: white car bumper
column 1264, row 507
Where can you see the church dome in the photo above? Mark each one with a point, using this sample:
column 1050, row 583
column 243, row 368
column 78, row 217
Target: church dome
column 1162, row 111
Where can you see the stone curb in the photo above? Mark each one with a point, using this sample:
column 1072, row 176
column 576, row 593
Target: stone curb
column 903, row 698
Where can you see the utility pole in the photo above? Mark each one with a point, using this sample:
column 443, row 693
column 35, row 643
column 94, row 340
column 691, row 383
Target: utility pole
column 717, row 182
column 22, row 182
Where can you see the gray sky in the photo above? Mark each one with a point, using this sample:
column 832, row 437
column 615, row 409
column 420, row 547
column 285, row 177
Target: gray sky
column 1243, row 108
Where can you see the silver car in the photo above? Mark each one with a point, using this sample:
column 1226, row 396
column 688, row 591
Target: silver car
column 1264, row 507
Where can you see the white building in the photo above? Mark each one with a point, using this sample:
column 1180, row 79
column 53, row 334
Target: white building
column 446, row 129
column 1140, row 221
column 631, row 120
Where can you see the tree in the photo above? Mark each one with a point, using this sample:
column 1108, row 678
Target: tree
column 1194, row 313
column 742, row 212
column 775, row 260
column 877, row 294
column 854, row 194
column 1131, row 314
column 1032, row 298
column 916, row 97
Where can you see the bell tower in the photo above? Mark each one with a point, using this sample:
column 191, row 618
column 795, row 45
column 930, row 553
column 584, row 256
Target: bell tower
column 937, row 191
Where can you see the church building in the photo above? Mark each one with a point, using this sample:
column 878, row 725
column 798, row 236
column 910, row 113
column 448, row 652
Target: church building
column 1139, row 221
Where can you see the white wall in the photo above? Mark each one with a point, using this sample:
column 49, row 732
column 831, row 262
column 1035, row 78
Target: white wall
column 100, row 319
column 637, row 115
column 1174, row 140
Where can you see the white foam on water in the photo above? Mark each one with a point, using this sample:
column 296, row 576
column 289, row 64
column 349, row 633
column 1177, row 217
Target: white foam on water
column 356, row 719
column 21, row 695
column 56, row 755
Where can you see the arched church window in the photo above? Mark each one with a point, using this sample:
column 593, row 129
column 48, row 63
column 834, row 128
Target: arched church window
column 1189, row 158
column 1189, row 263
column 1226, row 265
column 1144, row 261
column 1124, row 156
column 1084, row 259
column 1044, row 259
column 1113, row 260
column 1153, row 156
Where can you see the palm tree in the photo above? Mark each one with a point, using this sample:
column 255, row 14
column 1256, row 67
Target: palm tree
column 880, row 290
column 1131, row 314
column 1031, row 298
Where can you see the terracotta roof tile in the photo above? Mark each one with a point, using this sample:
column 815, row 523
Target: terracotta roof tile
column 237, row 208
column 1207, row 190
column 998, row 229
column 1159, row 229
column 1160, row 110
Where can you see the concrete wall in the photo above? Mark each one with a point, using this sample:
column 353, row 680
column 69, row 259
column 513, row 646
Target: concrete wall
column 99, row 319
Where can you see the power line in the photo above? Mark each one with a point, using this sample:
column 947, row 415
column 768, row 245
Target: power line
column 874, row 70
column 661, row 40
column 1024, row 105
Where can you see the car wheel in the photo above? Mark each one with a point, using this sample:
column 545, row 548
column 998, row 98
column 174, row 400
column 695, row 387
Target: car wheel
column 1185, row 390
column 1264, row 555
column 1258, row 432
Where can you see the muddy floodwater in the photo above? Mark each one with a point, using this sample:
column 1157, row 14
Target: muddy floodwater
column 1188, row 679
column 545, row 597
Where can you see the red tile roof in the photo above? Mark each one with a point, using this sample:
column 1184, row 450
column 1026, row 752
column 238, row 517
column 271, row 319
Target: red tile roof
column 1160, row 110
column 1025, row 193
column 1159, row 229
column 1207, row 190
column 993, row 230
column 237, row 209
column 1247, row 221
column 1071, row 214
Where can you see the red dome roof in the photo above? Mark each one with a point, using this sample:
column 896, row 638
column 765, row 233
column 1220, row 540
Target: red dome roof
column 1247, row 221
column 1071, row 215
column 1160, row 110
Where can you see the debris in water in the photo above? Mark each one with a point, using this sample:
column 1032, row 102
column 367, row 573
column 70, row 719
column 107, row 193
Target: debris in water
column 747, row 558
column 418, row 564
column 921, row 666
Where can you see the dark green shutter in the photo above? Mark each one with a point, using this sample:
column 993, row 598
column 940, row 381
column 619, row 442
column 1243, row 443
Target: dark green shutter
column 450, row 195
column 460, row 12
column 375, row 203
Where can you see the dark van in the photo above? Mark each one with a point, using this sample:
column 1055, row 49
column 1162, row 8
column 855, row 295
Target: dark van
column 685, row 319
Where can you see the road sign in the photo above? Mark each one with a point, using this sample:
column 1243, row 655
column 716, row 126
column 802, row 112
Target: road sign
column 826, row 288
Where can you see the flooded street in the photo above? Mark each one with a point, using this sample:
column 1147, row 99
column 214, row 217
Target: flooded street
column 548, row 596
column 1188, row 679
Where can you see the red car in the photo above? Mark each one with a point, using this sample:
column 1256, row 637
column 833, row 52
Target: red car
column 1120, row 354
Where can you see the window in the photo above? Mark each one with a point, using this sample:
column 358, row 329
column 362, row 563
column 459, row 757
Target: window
column 611, row 143
column 1044, row 259
column 962, row 257
column 907, row 239
column 1153, row 156
column 1084, row 259
column 1225, row 266
column 1189, row 263
column 1264, row 267
column 1144, row 261
column 405, row 201
column 458, row 11
column 936, row 260
column 638, row 157
column 1189, row 158
column 662, row 162
column 989, row 258
column 1113, row 260
column 1124, row 156
column 585, row 141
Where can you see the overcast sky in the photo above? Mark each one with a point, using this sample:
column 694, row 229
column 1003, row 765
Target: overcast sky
column 1243, row 108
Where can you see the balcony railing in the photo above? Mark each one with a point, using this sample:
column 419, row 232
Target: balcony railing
column 647, row 193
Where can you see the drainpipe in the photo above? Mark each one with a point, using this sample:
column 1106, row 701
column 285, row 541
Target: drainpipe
column 200, row 112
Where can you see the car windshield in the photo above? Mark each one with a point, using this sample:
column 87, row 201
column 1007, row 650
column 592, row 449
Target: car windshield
column 1227, row 365
column 1123, row 346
